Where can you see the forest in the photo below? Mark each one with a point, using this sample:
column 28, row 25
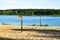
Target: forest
column 31, row 12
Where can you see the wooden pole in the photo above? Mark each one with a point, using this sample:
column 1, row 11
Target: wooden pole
column 40, row 21
column 21, row 24
column 20, row 18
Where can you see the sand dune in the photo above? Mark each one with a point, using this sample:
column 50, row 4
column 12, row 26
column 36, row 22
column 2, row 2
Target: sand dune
column 29, row 33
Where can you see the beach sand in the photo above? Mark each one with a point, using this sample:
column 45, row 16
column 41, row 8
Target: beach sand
column 8, row 32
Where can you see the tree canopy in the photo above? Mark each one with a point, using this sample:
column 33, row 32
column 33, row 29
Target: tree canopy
column 30, row 12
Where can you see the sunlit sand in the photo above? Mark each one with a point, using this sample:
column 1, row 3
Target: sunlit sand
column 30, row 32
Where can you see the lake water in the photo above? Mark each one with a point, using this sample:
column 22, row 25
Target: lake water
column 29, row 20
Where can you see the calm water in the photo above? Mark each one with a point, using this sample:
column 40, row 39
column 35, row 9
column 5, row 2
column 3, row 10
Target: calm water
column 29, row 20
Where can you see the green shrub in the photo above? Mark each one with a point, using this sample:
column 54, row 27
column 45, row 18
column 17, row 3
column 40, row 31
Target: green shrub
column 46, row 25
column 33, row 24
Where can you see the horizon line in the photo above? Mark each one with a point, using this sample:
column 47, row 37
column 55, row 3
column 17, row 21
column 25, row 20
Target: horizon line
column 30, row 8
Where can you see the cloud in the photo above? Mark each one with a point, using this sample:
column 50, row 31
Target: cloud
column 44, row 0
column 11, row 1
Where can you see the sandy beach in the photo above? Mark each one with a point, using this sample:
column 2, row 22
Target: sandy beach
column 13, row 32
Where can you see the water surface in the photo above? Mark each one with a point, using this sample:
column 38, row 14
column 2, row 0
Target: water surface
column 29, row 20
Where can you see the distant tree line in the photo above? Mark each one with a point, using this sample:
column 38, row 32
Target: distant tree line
column 29, row 12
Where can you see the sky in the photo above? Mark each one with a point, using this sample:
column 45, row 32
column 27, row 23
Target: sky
column 29, row 4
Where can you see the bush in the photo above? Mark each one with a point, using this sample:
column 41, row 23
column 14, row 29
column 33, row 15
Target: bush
column 46, row 25
column 33, row 24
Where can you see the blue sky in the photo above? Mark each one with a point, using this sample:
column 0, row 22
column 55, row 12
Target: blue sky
column 25, row 4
